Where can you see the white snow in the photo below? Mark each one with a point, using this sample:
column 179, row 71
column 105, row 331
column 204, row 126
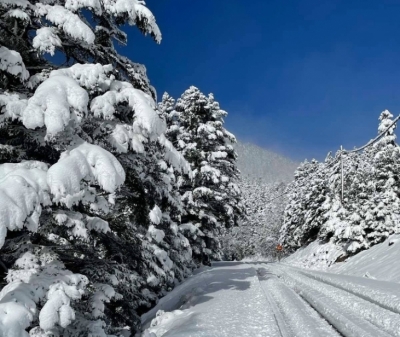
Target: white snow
column 11, row 62
column 316, row 255
column 46, row 40
column 84, row 162
column 87, row 75
column 42, row 280
column 264, row 299
column 379, row 262
column 23, row 191
column 13, row 105
column 156, row 234
column 53, row 102
column 18, row 14
column 69, row 22
column 155, row 215
column 135, row 9
column 223, row 301
column 75, row 5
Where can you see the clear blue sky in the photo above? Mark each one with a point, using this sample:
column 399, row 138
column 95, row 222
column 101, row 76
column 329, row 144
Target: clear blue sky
column 298, row 77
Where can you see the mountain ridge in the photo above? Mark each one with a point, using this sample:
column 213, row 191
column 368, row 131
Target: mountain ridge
column 255, row 162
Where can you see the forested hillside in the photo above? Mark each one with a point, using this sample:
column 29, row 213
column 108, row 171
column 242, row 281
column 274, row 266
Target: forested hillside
column 257, row 163
column 264, row 177
column 369, row 211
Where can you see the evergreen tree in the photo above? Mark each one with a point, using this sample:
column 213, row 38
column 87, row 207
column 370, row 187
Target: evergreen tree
column 384, row 203
column 90, row 208
column 211, row 196
column 369, row 211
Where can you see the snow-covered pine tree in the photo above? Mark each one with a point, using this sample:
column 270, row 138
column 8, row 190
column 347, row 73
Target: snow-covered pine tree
column 303, row 213
column 370, row 209
column 211, row 197
column 86, row 181
column 384, row 203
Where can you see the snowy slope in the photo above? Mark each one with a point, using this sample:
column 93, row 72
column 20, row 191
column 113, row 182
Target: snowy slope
column 255, row 162
column 379, row 262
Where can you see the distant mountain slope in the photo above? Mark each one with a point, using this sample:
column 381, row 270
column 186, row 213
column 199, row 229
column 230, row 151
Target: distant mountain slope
column 254, row 162
column 265, row 175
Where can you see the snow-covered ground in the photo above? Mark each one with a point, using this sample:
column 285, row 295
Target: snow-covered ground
column 225, row 300
column 379, row 262
column 271, row 299
column 316, row 255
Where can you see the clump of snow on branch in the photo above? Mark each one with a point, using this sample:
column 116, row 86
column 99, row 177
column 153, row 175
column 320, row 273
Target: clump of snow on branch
column 155, row 215
column 12, row 106
column 84, row 162
column 146, row 120
column 11, row 62
column 89, row 76
column 173, row 156
column 136, row 11
column 46, row 40
column 69, row 22
column 23, row 191
column 103, row 294
column 39, row 279
column 52, row 103
column 79, row 225
column 75, row 5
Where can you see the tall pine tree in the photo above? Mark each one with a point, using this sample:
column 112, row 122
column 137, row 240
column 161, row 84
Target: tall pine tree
column 88, row 195
column 211, row 196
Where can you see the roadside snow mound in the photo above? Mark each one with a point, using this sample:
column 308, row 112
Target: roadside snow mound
column 379, row 262
column 316, row 255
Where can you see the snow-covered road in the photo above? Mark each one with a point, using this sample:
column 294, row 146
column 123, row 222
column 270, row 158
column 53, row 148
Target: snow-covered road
column 259, row 299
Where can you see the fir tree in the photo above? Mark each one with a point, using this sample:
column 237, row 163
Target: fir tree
column 89, row 235
column 211, row 197
column 370, row 208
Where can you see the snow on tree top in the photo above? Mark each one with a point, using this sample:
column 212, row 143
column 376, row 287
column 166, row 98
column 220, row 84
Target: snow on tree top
column 136, row 11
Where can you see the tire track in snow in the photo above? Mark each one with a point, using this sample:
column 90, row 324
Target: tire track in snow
column 349, row 314
column 293, row 315
column 280, row 322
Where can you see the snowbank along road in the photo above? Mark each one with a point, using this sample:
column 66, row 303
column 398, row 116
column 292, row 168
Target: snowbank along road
column 259, row 299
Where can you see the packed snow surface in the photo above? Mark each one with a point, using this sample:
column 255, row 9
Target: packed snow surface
column 272, row 299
